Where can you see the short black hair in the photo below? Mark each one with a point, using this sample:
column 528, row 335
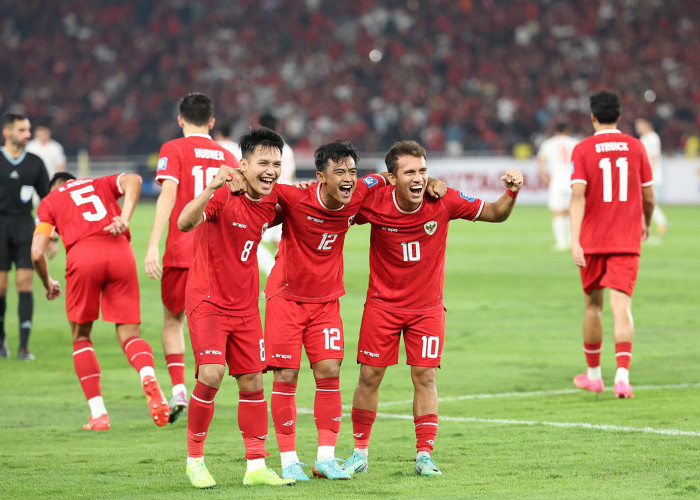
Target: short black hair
column 8, row 119
column 561, row 127
column 60, row 178
column 268, row 120
column 605, row 106
column 225, row 130
column 260, row 137
column 402, row 148
column 197, row 109
column 335, row 151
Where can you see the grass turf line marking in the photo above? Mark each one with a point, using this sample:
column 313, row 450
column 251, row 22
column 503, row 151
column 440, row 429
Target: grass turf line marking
column 555, row 392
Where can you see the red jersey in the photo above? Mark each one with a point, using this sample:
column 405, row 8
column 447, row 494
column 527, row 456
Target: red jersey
column 192, row 162
column 224, row 271
column 309, row 263
column 81, row 208
column 407, row 249
column 614, row 167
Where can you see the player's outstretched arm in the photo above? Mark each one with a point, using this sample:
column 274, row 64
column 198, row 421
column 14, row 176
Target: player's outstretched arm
column 191, row 215
column 131, row 186
column 40, row 242
column 501, row 209
column 577, row 208
column 164, row 207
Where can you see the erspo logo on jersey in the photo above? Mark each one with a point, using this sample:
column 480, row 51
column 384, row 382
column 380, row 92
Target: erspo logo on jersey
column 370, row 181
column 466, row 197
column 162, row 163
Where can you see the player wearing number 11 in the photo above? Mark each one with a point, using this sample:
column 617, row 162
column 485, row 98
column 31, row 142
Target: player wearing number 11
column 405, row 294
column 612, row 203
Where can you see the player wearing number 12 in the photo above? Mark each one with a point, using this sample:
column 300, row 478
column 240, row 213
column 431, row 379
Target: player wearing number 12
column 405, row 293
column 185, row 166
column 612, row 203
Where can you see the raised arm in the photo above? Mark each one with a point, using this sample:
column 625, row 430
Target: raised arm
column 576, row 210
column 131, row 186
column 501, row 209
column 191, row 216
column 164, row 207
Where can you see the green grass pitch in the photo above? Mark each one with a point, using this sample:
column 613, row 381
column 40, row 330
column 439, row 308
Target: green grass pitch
column 512, row 424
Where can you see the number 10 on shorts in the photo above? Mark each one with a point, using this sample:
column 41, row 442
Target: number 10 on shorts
column 430, row 347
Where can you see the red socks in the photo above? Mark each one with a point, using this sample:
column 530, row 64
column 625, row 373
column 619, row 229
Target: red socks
column 199, row 415
column 138, row 352
column 176, row 368
column 623, row 353
column 426, row 430
column 252, row 421
column 284, row 414
column 327, row 410
column 592, row 351
column 362, row 421
column 87, row 368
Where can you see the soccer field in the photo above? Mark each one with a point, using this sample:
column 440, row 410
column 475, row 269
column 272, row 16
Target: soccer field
column 511, row 422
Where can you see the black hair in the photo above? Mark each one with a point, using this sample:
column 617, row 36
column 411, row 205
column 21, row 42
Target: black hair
column 561, row 127
column 8, row 119
column 605, row 106
column 60, row 178
column 402, row 148
column 260, row 137
column 336, row 151
column 225, row 130
column 268, row 120
column 197, row 109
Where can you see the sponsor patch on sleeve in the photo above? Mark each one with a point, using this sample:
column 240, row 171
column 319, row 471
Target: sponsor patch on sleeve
column 162, row 163
column 370, row 181
column 466, row 197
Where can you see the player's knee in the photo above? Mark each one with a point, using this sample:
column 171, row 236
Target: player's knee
column 211, row 374
column 329, row 368
column 424, row 377
column 287, row 375
column 370, row 377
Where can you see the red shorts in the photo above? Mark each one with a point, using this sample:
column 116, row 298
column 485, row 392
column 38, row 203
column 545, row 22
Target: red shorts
column 172, row 288
column 618, row 271
column 380, row 335
column 102, row 269
column 220, row 339
column 289, row 325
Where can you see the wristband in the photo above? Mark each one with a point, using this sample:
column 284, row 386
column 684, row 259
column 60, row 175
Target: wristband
column 512, row 194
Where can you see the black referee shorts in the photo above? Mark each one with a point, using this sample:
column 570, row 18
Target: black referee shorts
column 16, row 232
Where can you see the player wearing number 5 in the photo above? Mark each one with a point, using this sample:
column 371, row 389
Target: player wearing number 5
column 100, row 273
column 222, row 302
column 185, row 166
column 405, row 293
column 611, row 208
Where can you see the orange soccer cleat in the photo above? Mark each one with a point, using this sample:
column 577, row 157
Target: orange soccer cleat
column 157, row 404
column 100, row 423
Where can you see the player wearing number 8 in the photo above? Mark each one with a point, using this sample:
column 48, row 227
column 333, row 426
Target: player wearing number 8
column 611, row 207
column 221, row 301
column 405, row 293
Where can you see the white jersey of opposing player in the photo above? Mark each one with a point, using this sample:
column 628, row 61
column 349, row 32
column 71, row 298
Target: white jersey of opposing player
column 556, row 151
column 652, row 143
column 233, row 147
column 289, row 166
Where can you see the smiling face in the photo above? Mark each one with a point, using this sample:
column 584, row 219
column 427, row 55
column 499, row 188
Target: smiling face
column 262, row 169
column 410, row 179
column 338, row 182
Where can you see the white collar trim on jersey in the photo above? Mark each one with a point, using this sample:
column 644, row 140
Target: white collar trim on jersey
column 608, row 131
column 197, row 134
column 256, row 200
column 393, row 195
column 318, row 195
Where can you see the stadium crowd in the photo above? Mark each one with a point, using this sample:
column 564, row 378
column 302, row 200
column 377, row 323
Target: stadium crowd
column 456, row 75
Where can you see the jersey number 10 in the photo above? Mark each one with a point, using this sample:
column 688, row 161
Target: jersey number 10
column 202, row 178
column 606, row 165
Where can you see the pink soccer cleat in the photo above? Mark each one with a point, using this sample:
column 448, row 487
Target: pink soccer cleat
column 100, row 423
column 583, row 382
column 623, row 390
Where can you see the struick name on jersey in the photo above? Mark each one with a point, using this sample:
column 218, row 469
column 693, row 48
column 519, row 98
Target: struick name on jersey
column 208, row 154
column 606, row 147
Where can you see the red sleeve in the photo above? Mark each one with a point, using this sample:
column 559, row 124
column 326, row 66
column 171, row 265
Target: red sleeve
column 578, row 170
column 216, row 203
column 169, row 163
column 111, row 184
column 462, row 206
column 369, row 183
column 44, row 213
column 287, row 195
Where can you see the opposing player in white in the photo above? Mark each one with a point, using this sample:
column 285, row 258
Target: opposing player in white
column 652, row 143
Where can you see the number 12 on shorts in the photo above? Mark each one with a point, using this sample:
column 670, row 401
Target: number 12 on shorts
column 331, row 337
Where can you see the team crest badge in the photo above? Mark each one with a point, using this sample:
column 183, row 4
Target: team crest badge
column 350, row 220
column 264, row 228
column 430, row 227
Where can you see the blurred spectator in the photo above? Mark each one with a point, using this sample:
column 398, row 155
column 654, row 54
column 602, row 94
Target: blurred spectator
column 48, row 149
column 459, row 75
column 222, row 135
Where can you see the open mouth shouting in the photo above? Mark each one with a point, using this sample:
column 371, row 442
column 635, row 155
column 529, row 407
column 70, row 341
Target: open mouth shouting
column 416, row 190
column 345, row 191
column 266, row 181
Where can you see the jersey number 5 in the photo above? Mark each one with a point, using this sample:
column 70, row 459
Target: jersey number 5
column 79, row 199
column 606, row 165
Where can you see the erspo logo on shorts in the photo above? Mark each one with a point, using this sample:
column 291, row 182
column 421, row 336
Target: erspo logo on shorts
column 370, row 181
column 466, row 197
column 162, row 163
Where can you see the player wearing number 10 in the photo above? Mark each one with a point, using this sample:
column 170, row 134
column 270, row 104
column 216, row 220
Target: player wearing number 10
column 185, row 166
column 611, row 207
column 405, row 293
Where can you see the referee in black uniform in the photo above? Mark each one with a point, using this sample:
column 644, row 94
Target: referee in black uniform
column 21, row 173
